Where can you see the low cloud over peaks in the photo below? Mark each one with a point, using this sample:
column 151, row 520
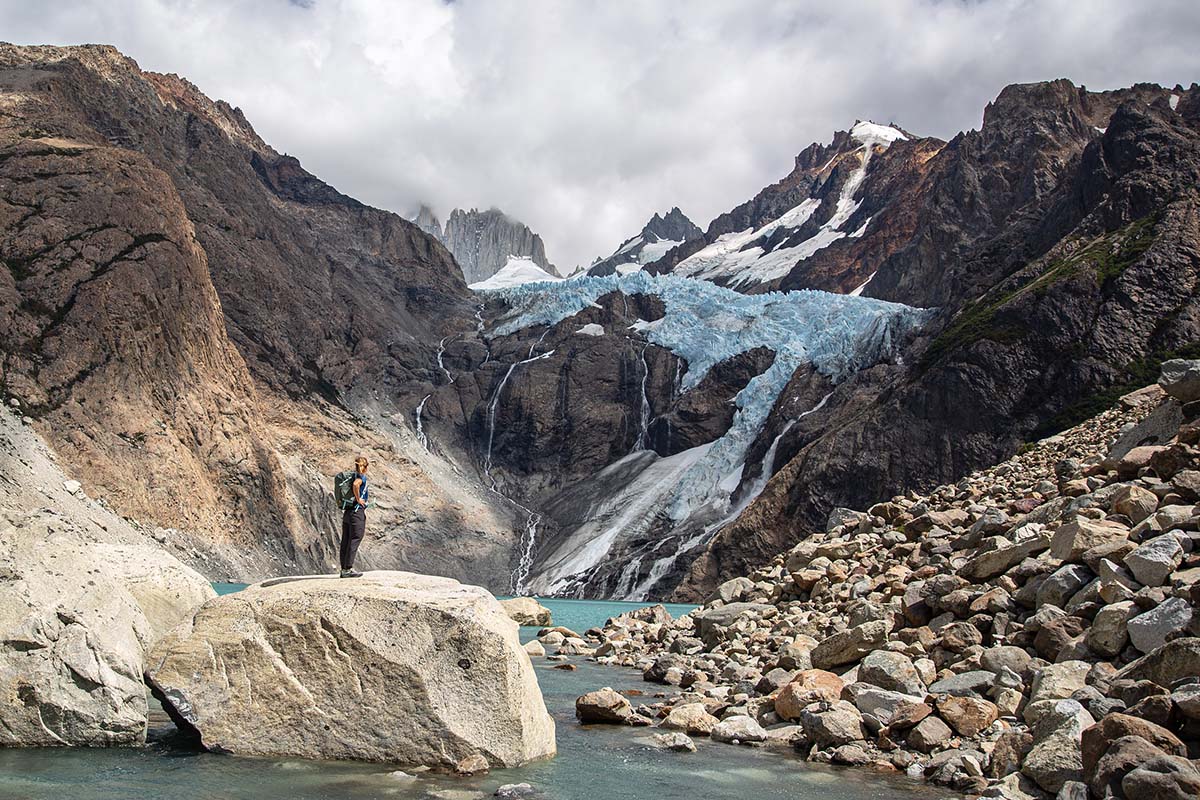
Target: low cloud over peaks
column 582, row 119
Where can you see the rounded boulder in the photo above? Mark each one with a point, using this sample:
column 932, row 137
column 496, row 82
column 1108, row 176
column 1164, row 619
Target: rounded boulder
column 397, row 667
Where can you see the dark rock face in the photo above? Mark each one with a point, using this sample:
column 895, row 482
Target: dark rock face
column 482, row 241
column 1064, row 262
column 647, row 246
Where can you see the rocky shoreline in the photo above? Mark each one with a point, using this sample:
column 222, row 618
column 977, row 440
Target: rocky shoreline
column 1028, row 632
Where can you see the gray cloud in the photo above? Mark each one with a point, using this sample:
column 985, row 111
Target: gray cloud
column 584, row 118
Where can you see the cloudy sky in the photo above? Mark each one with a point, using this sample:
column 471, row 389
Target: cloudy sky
column 583, row 118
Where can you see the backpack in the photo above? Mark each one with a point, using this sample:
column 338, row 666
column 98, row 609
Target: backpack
column 343, row 488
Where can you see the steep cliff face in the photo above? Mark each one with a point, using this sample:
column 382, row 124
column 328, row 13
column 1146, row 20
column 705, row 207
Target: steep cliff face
column 660, row 234
column 1062, row 242
column 206, row 332
column 482, row 242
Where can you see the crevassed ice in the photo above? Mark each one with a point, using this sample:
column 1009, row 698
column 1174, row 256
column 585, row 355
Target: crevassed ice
column 731, row 255
column 705, row 324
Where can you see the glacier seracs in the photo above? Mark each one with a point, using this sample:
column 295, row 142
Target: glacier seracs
column 704, row 324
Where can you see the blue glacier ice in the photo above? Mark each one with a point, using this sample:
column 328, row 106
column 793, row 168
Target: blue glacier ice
column 705, row 324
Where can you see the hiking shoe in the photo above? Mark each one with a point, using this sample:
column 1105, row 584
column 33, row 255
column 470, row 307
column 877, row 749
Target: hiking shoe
column 350, row 573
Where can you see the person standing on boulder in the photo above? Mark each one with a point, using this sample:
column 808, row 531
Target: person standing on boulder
column 354, row 519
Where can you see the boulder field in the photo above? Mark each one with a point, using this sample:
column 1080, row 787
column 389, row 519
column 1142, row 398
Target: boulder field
column 1028, row 632
column 397, row 667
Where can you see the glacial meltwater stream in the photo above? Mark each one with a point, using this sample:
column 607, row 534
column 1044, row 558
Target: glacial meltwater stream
column 593, row 762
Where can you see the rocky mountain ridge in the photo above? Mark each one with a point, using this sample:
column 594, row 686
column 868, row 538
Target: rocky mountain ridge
column 657, row 236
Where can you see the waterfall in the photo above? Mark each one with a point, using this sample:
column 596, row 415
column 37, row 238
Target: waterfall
column 644, row 422
column 533, row 346
column 421, row 437
column 768, row 463
column 628, row 576
column 528, row 548
column 491, row 413
column 441, row 365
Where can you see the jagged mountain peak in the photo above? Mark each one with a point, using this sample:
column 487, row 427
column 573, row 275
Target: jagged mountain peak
column 660, row 234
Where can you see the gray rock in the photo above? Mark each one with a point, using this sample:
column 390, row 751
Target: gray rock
column 835, row 724
column 1109, row 632
column 1179, row 658
column 76, row 618
column 850, row 645
column 738, row 730
column 1062, row 584
column 929, row 734
column 675, row 742
column 734, row 589
column 1163, row 778
column 1151, row 630
column 360, row 655
column 526, row 611
column 1154, row 561
column 1058, row 681
column 998, row 555
column 964, row 684
column 891, row 707
column 1073, row 539
column 1056, row 756
column 994, row 659
column 1180, row 378
column 889, row 670
column 1187, row 699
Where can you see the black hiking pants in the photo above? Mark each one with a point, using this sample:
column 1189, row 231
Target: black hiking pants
column 354, row 526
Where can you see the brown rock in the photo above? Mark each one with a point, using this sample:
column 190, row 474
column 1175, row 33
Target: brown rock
column 1073, row 539
column 1121, row 756
column 1097, row 738
column 1009, row 752
column 967, row 715
column 1057, row 634
column 809, row 686
column 603, row 706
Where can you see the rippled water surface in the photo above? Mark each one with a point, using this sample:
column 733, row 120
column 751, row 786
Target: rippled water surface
column 593, row 763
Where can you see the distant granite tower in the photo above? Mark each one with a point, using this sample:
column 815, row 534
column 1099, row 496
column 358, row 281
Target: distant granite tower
column 483, row 241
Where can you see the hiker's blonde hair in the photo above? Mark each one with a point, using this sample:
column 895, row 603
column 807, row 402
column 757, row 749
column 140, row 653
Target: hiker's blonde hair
column 361, row 462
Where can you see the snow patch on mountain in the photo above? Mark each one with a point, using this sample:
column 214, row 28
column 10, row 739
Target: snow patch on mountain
column 741, row 258
column 517, row 271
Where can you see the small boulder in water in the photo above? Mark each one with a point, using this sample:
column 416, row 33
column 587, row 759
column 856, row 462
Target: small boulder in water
column 527, row 611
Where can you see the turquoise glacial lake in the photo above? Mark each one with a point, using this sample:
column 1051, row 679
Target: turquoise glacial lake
column 593, row 762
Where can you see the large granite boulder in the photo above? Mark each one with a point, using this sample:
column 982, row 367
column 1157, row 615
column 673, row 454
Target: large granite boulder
column 76, row 616
column 71, row 657
column 393, row 666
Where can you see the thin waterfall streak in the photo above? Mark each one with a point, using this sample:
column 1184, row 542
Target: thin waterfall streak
column 421, row 437
column 644, row 421
column 440, row 352
column 533, row 346
column 492, row 405
column 525, row 564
